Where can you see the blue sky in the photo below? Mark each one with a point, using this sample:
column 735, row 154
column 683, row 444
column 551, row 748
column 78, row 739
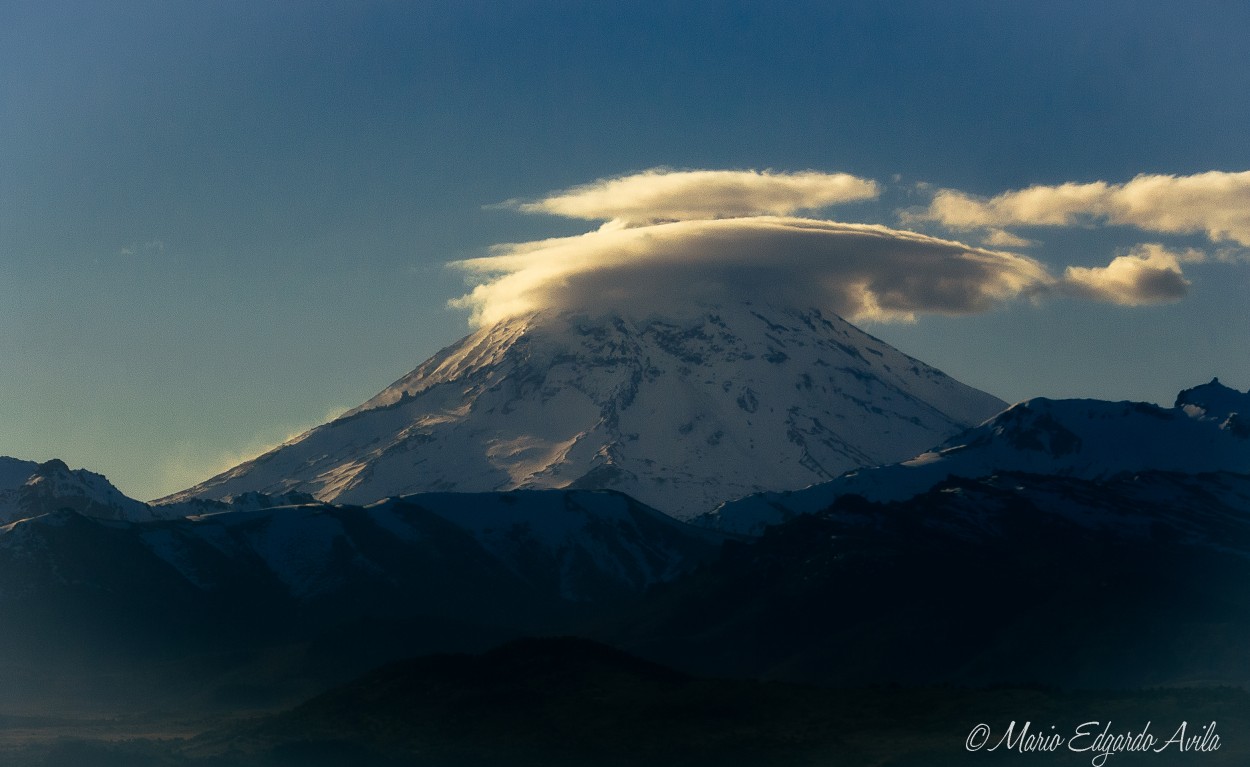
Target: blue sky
column 221, row 222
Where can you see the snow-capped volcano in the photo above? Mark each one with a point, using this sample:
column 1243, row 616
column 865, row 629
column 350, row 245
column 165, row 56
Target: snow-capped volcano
column 681, row 414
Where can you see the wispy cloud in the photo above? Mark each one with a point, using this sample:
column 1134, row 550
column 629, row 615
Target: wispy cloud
column 1215, row 204
column 1000, row 238
column 668, row 195
column 190, row 463
column 151, row 247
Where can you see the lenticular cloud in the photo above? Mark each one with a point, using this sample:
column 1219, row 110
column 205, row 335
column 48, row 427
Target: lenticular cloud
column 663, row 195
column 858, row 271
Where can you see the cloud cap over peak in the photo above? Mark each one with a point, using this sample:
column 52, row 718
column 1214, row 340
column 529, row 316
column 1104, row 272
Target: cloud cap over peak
column 660, row 194
column 860, row 271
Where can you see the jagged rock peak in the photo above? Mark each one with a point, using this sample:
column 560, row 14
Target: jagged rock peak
column 1214, row 401
column 29, row 489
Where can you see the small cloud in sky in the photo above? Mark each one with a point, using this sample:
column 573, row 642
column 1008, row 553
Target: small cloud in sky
column 1215, row 204
column 1149, row 274
column 666, row 195
column 147, row 248
column 1229, row 255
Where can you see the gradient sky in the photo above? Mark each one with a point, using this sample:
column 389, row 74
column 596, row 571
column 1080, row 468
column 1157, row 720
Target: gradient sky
column 222, row 222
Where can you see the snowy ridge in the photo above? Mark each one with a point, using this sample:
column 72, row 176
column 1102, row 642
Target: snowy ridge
column 194, row 507
column 680, row 413
column 28, row 489
column 1085, row 439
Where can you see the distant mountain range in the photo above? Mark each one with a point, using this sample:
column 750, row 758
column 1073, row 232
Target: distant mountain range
column 433, row 572
column 1053, row 508
column 1011, row 578
column 1205, row 431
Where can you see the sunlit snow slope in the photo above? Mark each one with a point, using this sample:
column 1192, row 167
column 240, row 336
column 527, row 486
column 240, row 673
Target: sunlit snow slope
column 681, row 414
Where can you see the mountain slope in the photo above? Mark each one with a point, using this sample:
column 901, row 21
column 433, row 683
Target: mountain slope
column 1089, row 439
column 1010, row 579
column 680, row 414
